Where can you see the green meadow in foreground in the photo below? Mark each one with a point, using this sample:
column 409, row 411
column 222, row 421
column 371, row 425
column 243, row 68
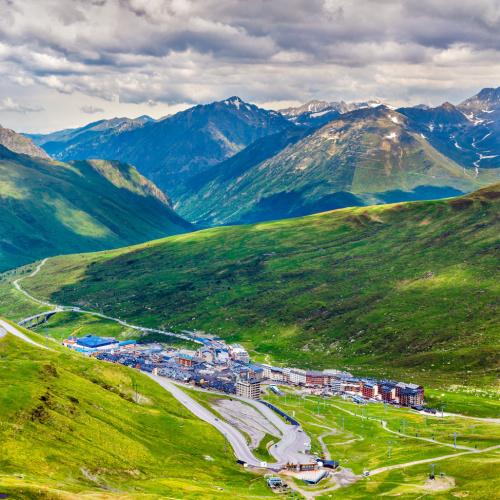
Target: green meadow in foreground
column 75, row 426
column 406, row 290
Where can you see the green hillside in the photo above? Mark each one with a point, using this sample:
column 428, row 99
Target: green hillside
column 72, row 426
column 364, row 157
column 49, row 208
column 407, row 289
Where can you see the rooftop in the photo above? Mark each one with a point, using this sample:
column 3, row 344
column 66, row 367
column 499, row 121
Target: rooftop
column 93, row 341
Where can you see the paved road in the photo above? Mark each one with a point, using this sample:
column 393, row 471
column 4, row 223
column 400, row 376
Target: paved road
column 288, row 449
column 62, row 308
column 235, row 438
column 24, row 292
column 294, row 440
column 8, row 328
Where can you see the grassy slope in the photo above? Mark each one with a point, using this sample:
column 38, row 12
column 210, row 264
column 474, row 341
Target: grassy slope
column 362, row 444
column 69, row 426
column 407, row 290
column 49, row 208
column 14, row 305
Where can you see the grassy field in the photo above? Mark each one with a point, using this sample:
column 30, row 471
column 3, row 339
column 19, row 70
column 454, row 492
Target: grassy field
column 362, row 444
column 355, row 437
column 262, row 451
column 72, row 426
column 473, row 477
column 406, row 291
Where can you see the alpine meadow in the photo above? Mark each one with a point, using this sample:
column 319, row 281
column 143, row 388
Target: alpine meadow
column 249, row 249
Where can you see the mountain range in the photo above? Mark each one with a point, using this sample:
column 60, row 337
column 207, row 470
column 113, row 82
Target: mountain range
column 366, row 156
column 20, row 144
column 172, row 150
column 49, row 207
column 232, row 162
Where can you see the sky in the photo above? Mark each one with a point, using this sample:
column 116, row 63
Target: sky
column 64, row 63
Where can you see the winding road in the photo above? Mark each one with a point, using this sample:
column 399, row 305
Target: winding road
column 235, row 437
column 290, row 448
column 8, row 328
column 61, row 308
column 18, row 287
column 293, row 440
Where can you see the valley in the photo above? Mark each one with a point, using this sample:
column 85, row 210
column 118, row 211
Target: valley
column 48, row 208
column 267, row 286
column 357, row 436
column 249, row 250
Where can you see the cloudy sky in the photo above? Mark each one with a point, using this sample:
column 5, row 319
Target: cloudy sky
column 67, row 62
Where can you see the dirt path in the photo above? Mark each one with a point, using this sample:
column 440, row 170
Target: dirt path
column 386, row 428
column 324, row 447
column 431, row 460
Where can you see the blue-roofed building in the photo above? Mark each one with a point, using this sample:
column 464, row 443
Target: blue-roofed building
column 92, row 342
column 127, row 342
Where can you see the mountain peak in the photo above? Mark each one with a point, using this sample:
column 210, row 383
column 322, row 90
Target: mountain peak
column 447, row 106
column 489, row 92
column 313, row 106
column 234, row 101
column 20, row 144
column 485, row 100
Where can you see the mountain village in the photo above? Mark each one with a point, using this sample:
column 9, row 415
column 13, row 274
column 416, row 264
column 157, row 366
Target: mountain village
column 228, row 368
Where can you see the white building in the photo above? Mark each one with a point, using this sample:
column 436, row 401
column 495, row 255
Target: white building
column 266, row 374
column 277, row 375
column 248, row 388
column 335, row 384
column 297, row 376
column 239, row 353
column 221, row 357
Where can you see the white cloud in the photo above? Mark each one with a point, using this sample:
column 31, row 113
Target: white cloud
column 91, row 110
column 175, row 52
column 10, row 106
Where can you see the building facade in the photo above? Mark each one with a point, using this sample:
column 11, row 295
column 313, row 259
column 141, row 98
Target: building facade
column 248, row 388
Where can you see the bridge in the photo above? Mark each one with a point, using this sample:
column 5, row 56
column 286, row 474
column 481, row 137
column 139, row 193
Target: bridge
column 38, row 319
